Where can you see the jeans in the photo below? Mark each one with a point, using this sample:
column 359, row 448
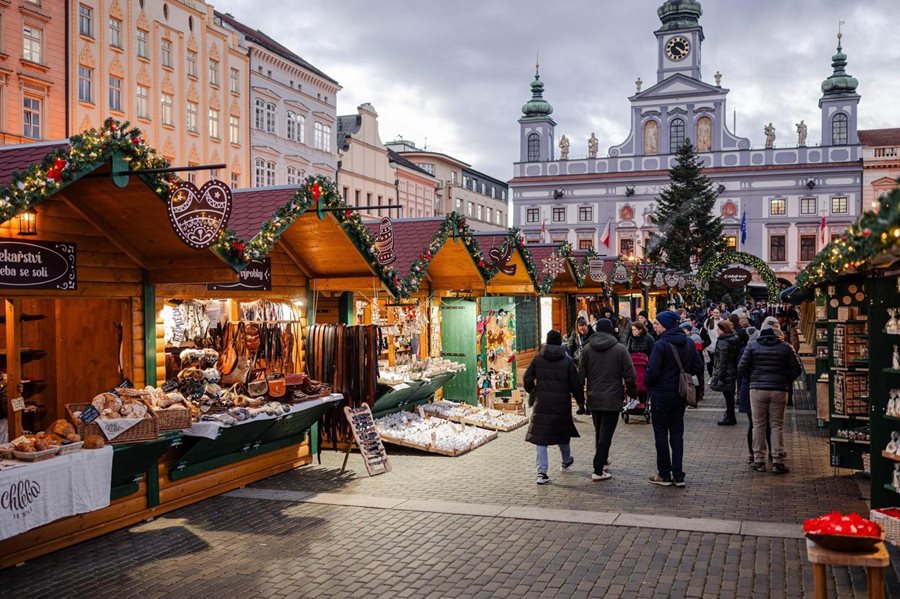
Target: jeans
column 768, row 408
column 604, row 426
column 667, row 417
column 564, row 449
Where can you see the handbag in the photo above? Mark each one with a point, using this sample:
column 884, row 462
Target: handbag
column 686, row 387
column 252, row 337
column 258, row 384
column 228, row 357
column 277, row 384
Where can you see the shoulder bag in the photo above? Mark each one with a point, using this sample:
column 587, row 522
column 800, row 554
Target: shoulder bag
column 686, row 388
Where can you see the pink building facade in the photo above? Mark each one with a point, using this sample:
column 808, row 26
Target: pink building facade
column 881, row 162
column 416, row 187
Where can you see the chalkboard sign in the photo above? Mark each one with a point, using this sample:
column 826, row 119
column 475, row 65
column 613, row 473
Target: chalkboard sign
column 256, row 276
column 90, row 414
column 37, row 265
column 362, row 424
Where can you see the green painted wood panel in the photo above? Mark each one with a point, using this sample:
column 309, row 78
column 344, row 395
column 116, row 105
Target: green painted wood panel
column 458, row 343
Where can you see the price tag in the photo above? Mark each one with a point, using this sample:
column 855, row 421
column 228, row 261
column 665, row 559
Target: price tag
column 18, row 404
column 170, row 386
column 90, row 414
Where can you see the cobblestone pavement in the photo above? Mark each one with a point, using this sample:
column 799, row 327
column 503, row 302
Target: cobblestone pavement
column 259, row 545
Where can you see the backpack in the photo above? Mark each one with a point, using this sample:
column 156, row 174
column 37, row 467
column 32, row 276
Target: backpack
column 686, row 387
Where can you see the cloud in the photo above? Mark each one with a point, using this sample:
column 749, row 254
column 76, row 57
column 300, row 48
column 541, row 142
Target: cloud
column 457, row 73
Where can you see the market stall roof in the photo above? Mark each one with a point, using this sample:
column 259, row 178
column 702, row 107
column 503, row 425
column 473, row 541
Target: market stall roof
column 518, row 275
column 322, row 249
column 132, row 215
column 555, row 270
column 440, row 250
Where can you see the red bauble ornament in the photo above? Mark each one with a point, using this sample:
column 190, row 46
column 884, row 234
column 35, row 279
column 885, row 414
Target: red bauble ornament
column 112, row 126
column 316, row 191
column 348, row 213
column 59, row 164
column 481, row 263
column 136, row 141
column 867, row 232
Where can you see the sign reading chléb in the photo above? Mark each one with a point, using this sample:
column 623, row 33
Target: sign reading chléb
column 256, row 276
column 37, row 265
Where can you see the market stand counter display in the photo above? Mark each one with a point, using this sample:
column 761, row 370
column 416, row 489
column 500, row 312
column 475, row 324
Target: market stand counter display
column 433, row 435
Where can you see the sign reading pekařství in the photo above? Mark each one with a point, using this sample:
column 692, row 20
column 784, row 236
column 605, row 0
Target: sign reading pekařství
column 37, row 265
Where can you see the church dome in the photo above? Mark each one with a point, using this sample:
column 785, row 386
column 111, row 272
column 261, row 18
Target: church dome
column 537, row 106
column 839, row 83
column 679, row 14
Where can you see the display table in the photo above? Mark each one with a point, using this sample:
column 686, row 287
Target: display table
column 874, row 561
column 40, row 492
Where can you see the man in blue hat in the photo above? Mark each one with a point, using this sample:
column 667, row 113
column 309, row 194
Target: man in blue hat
column 666, row 402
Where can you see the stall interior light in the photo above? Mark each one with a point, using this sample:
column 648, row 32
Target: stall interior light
column 28, row 222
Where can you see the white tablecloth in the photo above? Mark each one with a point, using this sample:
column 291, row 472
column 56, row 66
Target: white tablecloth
column 44, row 491
column 209, row 429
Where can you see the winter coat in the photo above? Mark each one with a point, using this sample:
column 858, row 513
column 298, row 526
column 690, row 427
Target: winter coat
column 553, row 377
column 770, row 364
column 725, row 366
column 623, row 329
column 742, row 335
column 743, row 387
column 662, row 371
column 608, row 369
column 642, row 344
column 575, row 344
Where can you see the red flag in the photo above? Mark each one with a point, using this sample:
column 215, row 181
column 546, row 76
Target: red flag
column 543, row 230
column 604, row 237
column 823, row 227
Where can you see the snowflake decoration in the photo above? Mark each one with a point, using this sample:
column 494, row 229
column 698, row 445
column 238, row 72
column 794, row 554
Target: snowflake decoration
column 554, row 266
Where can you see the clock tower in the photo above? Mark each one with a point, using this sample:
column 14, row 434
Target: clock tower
column 679, row 39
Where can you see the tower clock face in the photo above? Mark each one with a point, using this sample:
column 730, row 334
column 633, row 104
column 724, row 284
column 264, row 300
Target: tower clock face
column 677, row 48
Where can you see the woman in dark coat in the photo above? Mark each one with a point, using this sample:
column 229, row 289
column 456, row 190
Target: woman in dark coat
column 640, row 341
column 724, row 374
column 554, row 379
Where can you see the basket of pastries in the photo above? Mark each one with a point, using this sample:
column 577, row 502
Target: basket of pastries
column 112, row 407
column 172, row 410
column 60, row 438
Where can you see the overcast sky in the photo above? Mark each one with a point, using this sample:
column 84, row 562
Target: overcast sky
column 457, row 72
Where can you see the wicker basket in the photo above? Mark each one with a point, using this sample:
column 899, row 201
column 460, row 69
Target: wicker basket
column 867, row 463
column 145, row 430
column 890, row 523
column 172, row 420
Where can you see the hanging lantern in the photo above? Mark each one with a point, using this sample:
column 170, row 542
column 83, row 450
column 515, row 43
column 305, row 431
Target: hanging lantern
column 28, row 222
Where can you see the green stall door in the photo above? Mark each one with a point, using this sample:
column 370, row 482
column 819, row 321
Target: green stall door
column 458, row 345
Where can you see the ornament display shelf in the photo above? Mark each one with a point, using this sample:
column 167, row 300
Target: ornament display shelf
column 890, row 456
column 891, row 370
column 25, row 318
column 853, row 441
column 849, row 416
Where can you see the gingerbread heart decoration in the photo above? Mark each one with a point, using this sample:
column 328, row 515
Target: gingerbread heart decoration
column 197, row 215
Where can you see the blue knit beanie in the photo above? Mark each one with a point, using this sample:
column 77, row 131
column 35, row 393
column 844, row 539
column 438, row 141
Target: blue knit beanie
column 668, row 319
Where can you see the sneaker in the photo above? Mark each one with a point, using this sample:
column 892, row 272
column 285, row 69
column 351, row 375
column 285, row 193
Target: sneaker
column 680, row 484
column 566, row 465
column 598, row 477
column 759, row 466
column 727, row 422
column 542, row 479
column 780, row 469
column 662, row 482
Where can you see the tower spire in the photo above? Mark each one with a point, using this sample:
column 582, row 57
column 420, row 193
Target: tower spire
column 537, row 106
column 839, row 83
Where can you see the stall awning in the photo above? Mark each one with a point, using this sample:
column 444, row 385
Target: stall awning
column 555, row 271
column 517, row 275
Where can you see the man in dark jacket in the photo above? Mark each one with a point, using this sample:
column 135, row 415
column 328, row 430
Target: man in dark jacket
column 772, row 367
column 667, row 403
column 577, row 341
column 553, row 377
column 608, row 368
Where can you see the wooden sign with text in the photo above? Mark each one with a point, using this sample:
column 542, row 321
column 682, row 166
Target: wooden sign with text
column 37, row 265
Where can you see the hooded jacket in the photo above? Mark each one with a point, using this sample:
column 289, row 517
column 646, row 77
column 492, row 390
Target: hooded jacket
column 553, row 376
column 662, row 371
column 770, row 364
column 725, row 369
column 608, row 369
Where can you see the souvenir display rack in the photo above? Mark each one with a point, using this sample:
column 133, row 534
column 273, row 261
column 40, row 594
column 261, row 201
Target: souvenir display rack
column 821, row 353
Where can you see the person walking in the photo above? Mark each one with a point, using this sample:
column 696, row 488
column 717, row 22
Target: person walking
column 712, row 331
column 553, row 378
column 639, row 341
column 673, row 353
column 609, row 372
column 644, row 319
column 772, row 366
column 725, row 370
column 577, row 340
column 743, row 401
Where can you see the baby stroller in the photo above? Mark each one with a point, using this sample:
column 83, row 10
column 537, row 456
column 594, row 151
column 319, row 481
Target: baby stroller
column 639, row 405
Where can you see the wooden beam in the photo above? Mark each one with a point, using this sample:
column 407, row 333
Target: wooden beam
column 106, row 230
column 13, row 364
column 295, row 258
column 346, row 284
column 197, row 275
column 513, row 289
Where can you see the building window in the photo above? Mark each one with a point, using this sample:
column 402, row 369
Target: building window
column 326, row 132
column 234, row 130
column 265, row 173
column 777, row 207
column 626, row 246
column 676, row 135
column 115, row 93
column 192, row 111
column 839, row 128
column 192, row 176
column 489, row 215
column 776, row 248
column 292, row 178
column 730, row 242
column 85, row 20
column 559, row 214
column 260, row 113
column 270, row 117
column 356, row 197
column 301, row 128
column 115, row 32
column 191, row 63
column 235, row 180
column 470, row 208
column 368, row 200
column 213, row 72
column 480, row 210
column 807, row 247
column 143, row 102
column 500, row 220
column 31, row 118
column 166, row 53
column 459, row 205
column 32, row 44
column 534, row 147
column 166, row 103
column 585, row 244
column 234, row 81
column 142, row 50
column 291, row 125
column 585, row 213
column 532, row 215
column 85, row 84
column 483, row 189
column 808, row 205
column 319, row 136
column 651, row 138
column 839, row 205
column 346, row 194
column 214, row 123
